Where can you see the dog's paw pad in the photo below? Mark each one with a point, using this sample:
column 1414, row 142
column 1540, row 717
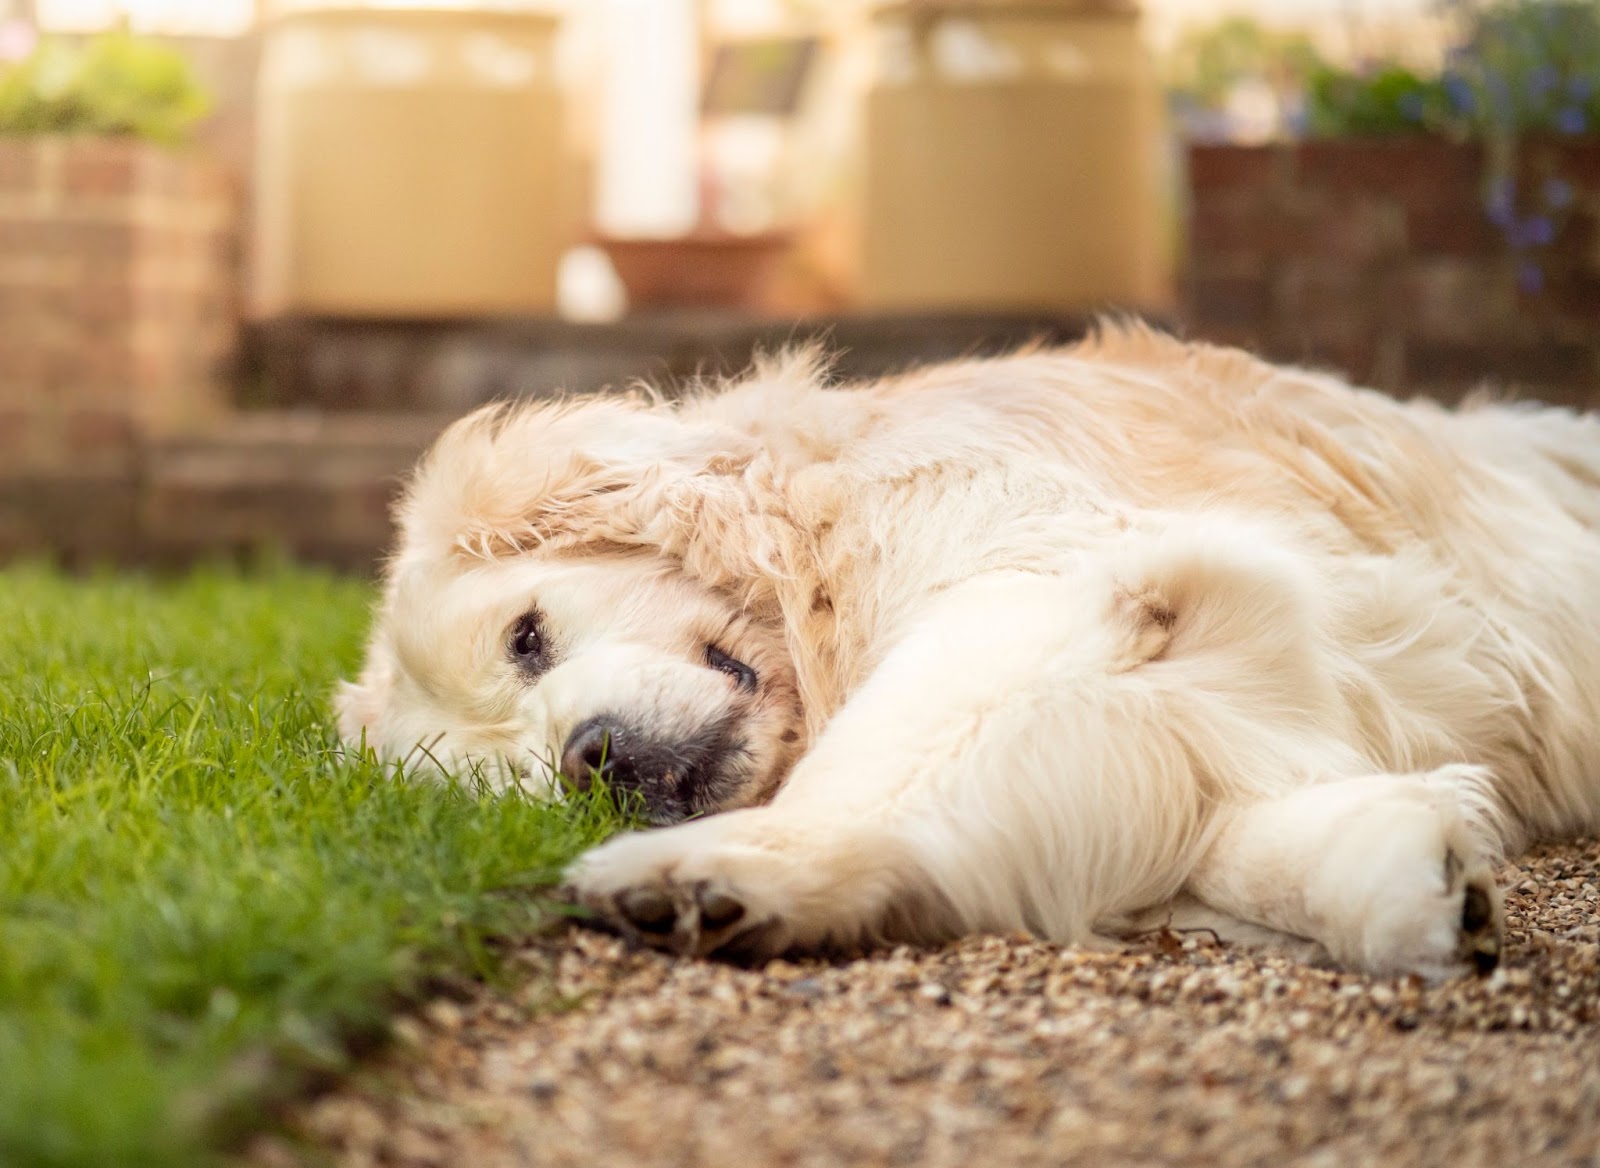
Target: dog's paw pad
column 1476, row 911
column 1480, row 928
column 650, row 910
column 718, row 908
column 754, row 945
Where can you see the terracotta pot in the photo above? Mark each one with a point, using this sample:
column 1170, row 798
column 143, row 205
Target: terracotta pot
column 699, row 271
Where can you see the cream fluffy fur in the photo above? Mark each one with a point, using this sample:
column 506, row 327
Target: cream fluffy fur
column 1072, row 641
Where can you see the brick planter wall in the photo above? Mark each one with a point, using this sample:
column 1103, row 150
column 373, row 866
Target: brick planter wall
column 316, row 486
column 118, row 315
column 1377, row 258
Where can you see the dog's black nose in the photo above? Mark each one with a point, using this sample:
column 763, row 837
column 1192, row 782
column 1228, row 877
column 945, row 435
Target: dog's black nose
column 595, row 748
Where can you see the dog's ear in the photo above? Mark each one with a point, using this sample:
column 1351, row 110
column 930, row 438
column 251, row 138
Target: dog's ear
column 508, row 479
column 634, row 471
column 359, row 704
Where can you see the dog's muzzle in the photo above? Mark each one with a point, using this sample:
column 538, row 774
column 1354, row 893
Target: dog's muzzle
column 673, row 780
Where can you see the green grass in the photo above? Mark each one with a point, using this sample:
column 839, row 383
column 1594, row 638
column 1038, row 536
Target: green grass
column 201, row 897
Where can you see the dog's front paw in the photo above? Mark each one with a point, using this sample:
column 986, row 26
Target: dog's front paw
column 686, row 891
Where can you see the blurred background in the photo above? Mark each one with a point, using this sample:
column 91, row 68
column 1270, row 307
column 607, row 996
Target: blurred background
column 254, row 253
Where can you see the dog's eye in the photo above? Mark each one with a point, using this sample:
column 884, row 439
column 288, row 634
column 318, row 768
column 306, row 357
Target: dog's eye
column 738, row 670
column 527, row 641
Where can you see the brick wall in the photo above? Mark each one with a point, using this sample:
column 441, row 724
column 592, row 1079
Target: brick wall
column 316, row 486
column 118, row 313
column 452, row 366
column 1379, row 259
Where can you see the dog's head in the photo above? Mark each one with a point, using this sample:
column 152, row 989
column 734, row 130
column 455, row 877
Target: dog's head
column 540, row 622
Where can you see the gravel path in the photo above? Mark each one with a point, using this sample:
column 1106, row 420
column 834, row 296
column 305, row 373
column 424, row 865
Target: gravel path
column 1003, row 1051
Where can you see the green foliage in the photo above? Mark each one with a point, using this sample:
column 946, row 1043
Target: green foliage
column 1533, row 66
column 114, row 84
column 202, row 896
column 1522, row 66
column 1388, row 100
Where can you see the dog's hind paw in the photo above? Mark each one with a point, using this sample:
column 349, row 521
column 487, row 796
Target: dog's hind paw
column 1482, row 925
column 1427, row 883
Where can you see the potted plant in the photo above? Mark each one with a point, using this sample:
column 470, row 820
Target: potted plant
column 117, row 282
column 116, row 266
column 1520, row 96
column 1421, row 227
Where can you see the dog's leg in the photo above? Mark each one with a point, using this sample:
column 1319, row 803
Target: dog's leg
column 1389, row 873
column 759, row 882
column 1000, row 770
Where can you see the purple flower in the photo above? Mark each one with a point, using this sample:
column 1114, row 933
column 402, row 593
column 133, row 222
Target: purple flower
column 1411, row 106
column 1579, row 88
column 1501, row 202
column 1534, row 231
column 1542, row 80
column 1557, row 193
column 1459, row 92
column 1530, row 278
column 1570, row 120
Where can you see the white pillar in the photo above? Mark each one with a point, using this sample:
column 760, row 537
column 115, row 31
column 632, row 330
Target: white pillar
column 647, row 172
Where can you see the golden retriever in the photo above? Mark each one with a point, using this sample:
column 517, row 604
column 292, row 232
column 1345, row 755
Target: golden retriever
column 1070, row 641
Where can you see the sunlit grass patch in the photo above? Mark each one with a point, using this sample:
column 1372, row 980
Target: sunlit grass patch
column 201, row 894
